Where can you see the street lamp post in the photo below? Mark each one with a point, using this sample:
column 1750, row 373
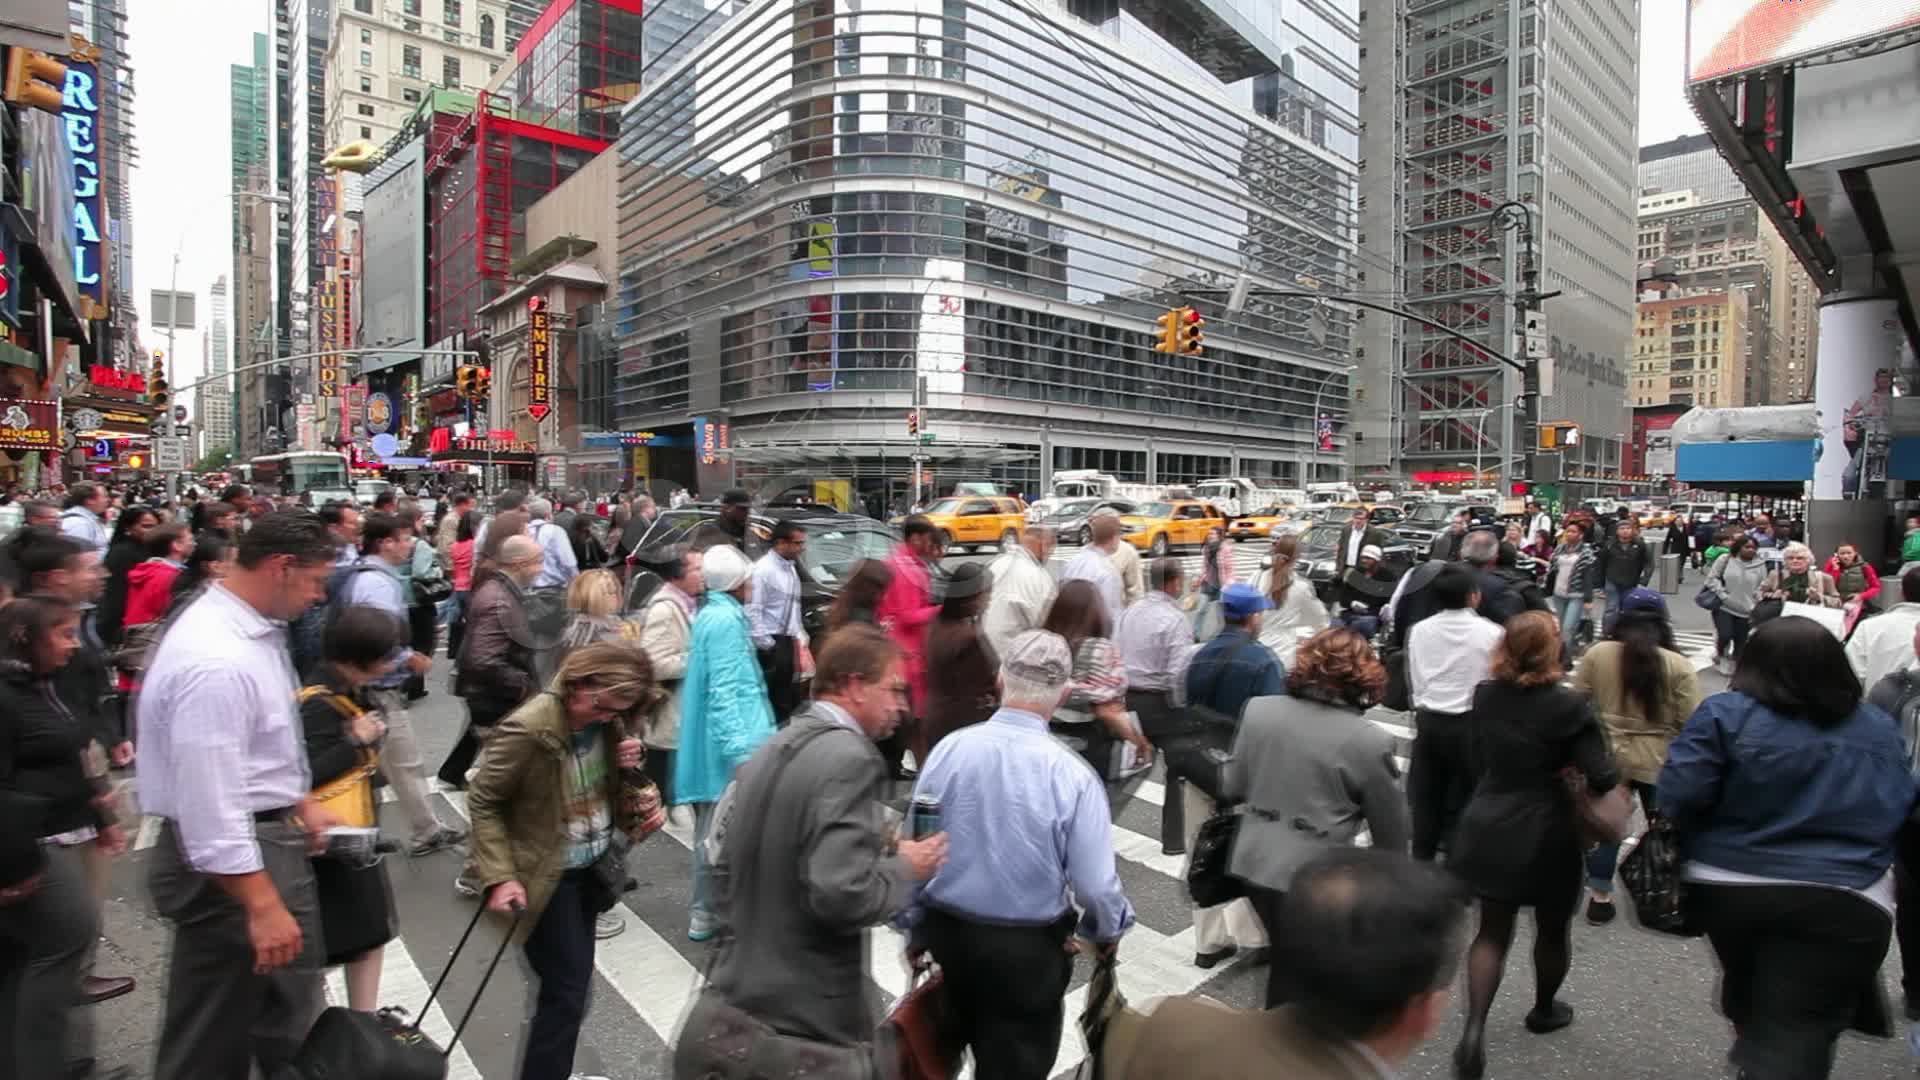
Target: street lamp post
column 1517, row 217
column 1314, row 461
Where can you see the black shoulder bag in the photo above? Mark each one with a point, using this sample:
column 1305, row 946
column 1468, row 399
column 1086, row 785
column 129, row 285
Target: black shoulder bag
column 1198, row 750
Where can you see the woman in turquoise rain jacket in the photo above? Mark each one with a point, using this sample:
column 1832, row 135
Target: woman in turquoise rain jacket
column 724, row 711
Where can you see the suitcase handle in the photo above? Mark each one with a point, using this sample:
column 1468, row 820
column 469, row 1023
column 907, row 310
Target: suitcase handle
column 519, row 912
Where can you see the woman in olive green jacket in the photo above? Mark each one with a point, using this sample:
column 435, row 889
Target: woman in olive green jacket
column 1644, row 689
column 544, row 805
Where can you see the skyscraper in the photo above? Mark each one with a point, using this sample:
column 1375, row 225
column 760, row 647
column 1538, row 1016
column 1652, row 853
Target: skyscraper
column 259, row 270
column 104, row 24
column 213, row 402
column 1470, row 105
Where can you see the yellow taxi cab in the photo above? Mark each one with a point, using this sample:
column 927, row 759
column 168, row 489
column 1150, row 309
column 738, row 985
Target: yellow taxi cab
column 976, row 520
column 1158, row 526
column 1261, row 523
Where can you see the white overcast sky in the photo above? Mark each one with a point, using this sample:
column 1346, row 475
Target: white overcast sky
column 181, row 188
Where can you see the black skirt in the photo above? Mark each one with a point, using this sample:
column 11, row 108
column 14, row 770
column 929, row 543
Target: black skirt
column 356, row 908
column 1518, row 847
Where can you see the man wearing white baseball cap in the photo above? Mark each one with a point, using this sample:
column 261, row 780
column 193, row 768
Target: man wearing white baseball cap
column 1364, row 591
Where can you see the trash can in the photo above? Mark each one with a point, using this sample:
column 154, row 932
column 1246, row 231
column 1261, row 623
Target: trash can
column 1670, row 574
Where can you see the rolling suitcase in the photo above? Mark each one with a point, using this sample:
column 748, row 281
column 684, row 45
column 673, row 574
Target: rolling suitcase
column 345, row 1044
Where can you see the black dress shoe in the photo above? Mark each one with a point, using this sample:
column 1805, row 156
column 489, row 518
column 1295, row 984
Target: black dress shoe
column 1470, row 1055
column 1552, row 1018
column 1209, row 959
column 1600, row 912
column 94, row 989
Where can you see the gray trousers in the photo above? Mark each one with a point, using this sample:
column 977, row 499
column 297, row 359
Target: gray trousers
column 400, row 763
column 45, row 943
column 220, row 1017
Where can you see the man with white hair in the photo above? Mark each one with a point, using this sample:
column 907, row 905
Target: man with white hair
column 1023, row 589
column 1095, row 564
column 1029, row 834
column 560, row 567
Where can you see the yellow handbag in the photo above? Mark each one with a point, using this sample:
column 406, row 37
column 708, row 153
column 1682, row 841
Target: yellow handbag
column 349, row 796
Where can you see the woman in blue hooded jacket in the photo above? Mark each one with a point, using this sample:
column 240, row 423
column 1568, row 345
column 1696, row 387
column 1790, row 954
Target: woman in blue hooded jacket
column 1787, row 792
column 725, row 713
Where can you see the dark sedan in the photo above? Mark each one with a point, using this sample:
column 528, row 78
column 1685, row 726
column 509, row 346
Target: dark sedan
column 836, row 543
column 1319, row 554
column 1073, row 519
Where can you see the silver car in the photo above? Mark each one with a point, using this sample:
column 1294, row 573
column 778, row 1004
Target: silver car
column 1073, row 519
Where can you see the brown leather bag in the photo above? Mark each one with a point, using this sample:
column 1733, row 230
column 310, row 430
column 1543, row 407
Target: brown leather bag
column 922, row 1032
column 1602, row 819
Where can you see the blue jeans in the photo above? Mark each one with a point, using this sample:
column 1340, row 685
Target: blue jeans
column 702, row 874
column 1359, row 622
column 1602, row 860
column 1571, row 611
column 560, row 951
column 1614, row 593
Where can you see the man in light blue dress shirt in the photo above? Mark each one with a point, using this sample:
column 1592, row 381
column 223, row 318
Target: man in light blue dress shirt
column 561, row 567
column 1029, row 834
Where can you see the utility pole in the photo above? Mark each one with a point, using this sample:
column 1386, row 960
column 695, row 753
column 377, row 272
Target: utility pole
column 1517, row 217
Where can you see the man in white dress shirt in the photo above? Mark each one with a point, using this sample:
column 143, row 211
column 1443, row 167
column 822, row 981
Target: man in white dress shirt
column 561, row 567
column 1095, row 564
column 1023, row 589
column 224, row 764
column 773, row 612
column 1448, row 654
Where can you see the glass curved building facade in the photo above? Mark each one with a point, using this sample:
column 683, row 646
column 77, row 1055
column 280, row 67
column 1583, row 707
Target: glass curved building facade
column 830, row 210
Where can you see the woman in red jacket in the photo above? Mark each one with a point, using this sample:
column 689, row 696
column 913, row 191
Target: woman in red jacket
column 150, row 595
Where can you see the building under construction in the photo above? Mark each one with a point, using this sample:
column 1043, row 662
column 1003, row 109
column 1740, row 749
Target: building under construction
column 1472, row 104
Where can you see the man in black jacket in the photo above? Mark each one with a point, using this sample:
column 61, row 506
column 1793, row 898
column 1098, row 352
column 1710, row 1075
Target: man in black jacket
column 1499, row 600
column 1446, row 546
column 1626, row 563
column 1356, row 536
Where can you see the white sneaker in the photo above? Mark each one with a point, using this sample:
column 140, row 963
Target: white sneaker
column 608, row 924
column 466, row 885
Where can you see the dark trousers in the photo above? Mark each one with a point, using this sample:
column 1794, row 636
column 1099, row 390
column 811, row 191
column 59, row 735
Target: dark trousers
column 220, row 1018
column 1266, row 904
column 1439, row 779
column 481, row 716
column 1798, row 966
column 457, row 626
column 1730, row 633
column 44, row 944
column 778, row 665
column 560, row 952
column 1007, row 986
column 1906, row 917
column 1157, row 714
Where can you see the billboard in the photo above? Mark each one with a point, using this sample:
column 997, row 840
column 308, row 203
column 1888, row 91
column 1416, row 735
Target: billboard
column 393, row 258
column 1728, row 36
column 47, row 188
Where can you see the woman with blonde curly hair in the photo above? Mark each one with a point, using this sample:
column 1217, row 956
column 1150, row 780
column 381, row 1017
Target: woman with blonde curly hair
column 1313, row 771
column 1518, row 843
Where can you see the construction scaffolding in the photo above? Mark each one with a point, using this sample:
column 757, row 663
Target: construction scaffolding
column 1466, row 139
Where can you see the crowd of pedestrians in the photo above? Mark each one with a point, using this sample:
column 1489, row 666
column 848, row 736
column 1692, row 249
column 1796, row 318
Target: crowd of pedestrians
column 261, row 666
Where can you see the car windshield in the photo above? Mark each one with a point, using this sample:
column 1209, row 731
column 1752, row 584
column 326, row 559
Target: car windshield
column 1270, row 511
column 1072, row 509
column 1322, row 536
column 1153, row 510
column 945, row 506
column 832, row 553
column 1430, row 513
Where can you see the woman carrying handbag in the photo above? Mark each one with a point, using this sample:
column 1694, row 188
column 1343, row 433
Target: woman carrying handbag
column 1519, row 841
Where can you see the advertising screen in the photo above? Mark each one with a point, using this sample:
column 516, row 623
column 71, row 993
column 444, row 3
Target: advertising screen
column 1727, row 36
column 393, row 263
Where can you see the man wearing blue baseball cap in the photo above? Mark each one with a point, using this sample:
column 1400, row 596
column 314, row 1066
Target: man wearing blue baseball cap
column 1225, row 674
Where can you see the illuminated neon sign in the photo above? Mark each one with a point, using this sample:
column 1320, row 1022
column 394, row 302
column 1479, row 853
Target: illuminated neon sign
column 80, row 115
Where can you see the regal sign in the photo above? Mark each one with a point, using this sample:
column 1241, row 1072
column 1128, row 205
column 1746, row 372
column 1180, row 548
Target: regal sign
column 80, row 115
column 111, row 379
column 27, row 424
column 539, row 358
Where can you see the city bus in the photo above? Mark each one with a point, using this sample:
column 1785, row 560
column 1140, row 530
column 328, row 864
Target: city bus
column 320, row 475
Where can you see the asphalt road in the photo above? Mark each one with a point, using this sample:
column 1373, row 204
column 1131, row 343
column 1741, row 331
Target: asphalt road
column 1643, row 1002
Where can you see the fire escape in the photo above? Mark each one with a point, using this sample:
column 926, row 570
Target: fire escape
column 1455, row 171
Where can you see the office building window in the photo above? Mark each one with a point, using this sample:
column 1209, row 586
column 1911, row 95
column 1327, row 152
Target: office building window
column 450, row 73
column 364, row 7
column 410, row 7
column 486, row 31
column 411, row 97
column 410, row 61
column 453, row 13
column 452, row 35
column 366, row 132
column 366, row 84
column 366, row 58
column 366, row 36
column 364, row 109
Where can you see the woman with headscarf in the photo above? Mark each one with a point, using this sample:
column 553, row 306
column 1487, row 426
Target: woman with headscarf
column 725, row 713
column 961, row 666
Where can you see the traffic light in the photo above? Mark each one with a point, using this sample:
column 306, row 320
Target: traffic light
column 34, row 80
column 1519, row 489
column 483, row 382
column 136, row 461
column 1169, row 336
column 157, row 394
column 463, row 381
column 1192, row 337
column 913, row 421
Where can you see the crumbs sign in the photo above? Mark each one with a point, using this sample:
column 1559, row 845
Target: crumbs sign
column 29, row 425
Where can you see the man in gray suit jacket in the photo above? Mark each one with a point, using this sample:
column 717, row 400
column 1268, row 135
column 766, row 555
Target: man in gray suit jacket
column 807, row 863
